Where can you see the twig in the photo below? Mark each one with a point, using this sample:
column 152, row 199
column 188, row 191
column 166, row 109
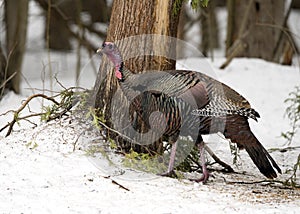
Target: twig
column 46, row 5
column 289, row 148
column 56, row 92
column 34, row 96
column 238, row 47
column 6, row 69
column 288, row 33
column 284, row 24
column 28, row 83
column 115, row 182
column 117, row 132
column 17, row 112
column 29, row 121
column 269, row 182
column 120, row 185
column 59, row 83
column 5, row 113
column 7, row 80
column 76, row 140
column 218, row 160
column 48, row 41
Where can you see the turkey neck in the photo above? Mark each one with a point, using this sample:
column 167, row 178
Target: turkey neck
column 124, row 77
column 121, row 72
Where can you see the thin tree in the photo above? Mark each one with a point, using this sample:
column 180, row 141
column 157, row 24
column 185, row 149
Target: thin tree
column 2, row 71
column 254, row 28
column 209, row 29
column 16, row 14
column 60, row 15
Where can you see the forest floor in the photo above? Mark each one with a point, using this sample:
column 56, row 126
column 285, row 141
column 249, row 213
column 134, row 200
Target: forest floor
column 48, row 168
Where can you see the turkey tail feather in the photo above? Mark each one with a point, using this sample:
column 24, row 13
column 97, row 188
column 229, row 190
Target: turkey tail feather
column 261, row 158
column 246, row 139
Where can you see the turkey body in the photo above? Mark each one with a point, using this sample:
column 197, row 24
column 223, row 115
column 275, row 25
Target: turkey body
column 189, row 103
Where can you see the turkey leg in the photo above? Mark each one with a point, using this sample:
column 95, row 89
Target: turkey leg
column 205, row 172
column 170, row 170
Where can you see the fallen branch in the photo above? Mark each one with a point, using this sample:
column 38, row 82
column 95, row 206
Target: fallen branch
column 16, row 118
column 289, row 148
column 121, row 186
column 59, row 109
column 227, row 167
column 117, row 183
column 268, row 182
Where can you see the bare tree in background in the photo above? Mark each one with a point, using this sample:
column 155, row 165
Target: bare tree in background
column 61, row 14
column 16, row 13
column 209, row 28
column 254, row 28
column 2, row 71
column 206, row 18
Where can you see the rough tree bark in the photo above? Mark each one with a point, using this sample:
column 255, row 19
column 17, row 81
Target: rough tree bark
column 2, row 71
column 16, row 13
column 133, row 18
column 254, row 27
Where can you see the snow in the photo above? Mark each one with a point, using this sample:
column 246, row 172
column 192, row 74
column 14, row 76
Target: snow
column 46, row 169
column 42, row 173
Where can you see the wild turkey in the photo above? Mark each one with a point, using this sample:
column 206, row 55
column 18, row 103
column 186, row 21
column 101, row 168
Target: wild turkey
column 190, row 104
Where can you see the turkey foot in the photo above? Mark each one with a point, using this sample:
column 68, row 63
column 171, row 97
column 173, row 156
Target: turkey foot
column 205, row 172
column 204, row 177
column 170, row 172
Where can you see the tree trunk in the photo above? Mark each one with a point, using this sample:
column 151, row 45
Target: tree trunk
column 296, row 4
column 230, row 24
column 255, row 25
column 209, row 29
column 132, row 26
column 98, row 10
column 16, row 13
column 56, row 31
column 2, row 71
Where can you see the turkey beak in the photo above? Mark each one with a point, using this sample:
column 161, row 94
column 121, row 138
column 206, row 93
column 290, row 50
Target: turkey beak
column 99, row 50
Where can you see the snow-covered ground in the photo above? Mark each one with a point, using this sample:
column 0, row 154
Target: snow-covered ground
column 46, row 169
column 42, row 173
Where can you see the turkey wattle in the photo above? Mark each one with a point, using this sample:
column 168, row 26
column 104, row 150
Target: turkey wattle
column 190, row 104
